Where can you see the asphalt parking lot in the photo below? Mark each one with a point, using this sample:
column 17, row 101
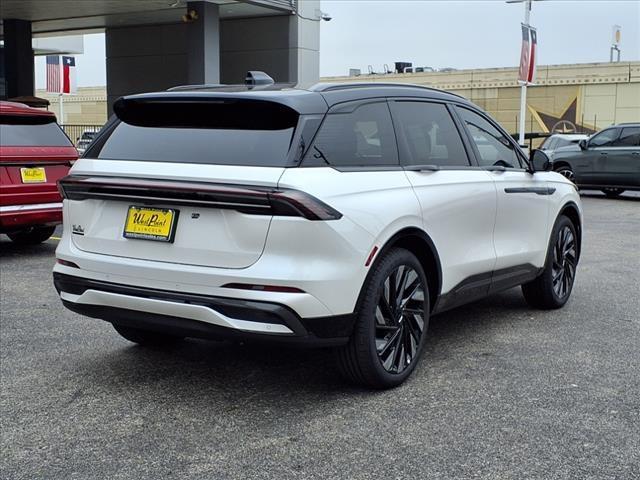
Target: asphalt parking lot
column 503, row 391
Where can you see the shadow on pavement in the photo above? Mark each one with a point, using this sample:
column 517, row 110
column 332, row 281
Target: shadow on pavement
column 211, row 369
column 10, row 249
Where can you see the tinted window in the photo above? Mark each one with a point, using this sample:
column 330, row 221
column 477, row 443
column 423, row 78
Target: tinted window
column 266, row 148
column 494, row 147
column 363, row 137
column 604, row 139
column 39, row 135
column 629, row 137
column 430, row 134
column 563, row 142
column 549, row 143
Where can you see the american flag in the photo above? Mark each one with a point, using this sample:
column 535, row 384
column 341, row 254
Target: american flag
column 54, row 83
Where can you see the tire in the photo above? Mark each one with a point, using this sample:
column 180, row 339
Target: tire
column 612, row 192
column 384, row 348
column 146, row 337
column 566, row 171
column 31, row 235
column 553, row 287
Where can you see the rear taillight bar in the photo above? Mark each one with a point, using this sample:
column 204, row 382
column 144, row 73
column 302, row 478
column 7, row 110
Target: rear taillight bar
column 250, row 199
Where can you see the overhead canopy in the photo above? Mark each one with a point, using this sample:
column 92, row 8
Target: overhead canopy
column 78, row 15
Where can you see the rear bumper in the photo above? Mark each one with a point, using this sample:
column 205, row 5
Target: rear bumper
column 16, row 217
column 196, row 315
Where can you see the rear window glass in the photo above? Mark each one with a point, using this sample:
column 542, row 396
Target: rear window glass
column 35, row 135
column 630, row 137
column 265, row 148
column 362, row 138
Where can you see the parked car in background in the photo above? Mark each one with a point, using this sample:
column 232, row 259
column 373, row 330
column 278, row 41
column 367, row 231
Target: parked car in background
column 34, row 154
column 85, row 140
column 608, row 161
column 558, row 140
column 343, row 215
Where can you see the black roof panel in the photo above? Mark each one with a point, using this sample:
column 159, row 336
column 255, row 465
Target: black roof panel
column 314, row 99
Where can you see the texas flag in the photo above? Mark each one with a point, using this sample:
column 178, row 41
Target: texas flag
column 69, row 75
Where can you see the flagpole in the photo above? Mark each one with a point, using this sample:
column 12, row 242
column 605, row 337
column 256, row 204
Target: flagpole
column 523, row 88
column 61, row 90
column 61, row 109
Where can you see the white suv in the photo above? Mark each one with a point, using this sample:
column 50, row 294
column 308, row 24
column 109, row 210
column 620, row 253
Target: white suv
column 342, row 215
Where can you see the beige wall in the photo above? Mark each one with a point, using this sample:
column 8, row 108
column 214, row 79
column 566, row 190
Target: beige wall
column 88, row 107
column 589, row 96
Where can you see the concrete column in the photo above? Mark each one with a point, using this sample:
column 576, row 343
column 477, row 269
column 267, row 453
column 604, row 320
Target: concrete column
column 284, row 46
column 18, row 58
column 203, row 40
column 304, row 43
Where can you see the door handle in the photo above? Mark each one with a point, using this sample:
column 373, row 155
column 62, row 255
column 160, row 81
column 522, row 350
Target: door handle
column 536, row 190
column 635, row 153
column 422, row 168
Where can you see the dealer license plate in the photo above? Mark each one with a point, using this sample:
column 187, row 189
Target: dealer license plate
column 150, row 223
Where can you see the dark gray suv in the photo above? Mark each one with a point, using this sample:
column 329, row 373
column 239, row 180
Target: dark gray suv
column 608, row 161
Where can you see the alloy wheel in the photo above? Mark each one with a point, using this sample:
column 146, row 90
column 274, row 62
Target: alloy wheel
column 567, row 173
column 400, row 319
column 563, row 270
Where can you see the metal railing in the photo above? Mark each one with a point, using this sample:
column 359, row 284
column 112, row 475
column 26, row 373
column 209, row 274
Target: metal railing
column 75, row 132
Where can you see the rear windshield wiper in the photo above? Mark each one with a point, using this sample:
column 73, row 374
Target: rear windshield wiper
column 320, row 155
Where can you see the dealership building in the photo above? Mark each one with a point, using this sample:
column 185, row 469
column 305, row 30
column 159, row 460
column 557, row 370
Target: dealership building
column 157, row 44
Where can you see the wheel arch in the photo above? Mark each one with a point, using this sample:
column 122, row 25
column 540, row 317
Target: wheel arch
column 419, row 243
column 572, row 212
column 561, row 163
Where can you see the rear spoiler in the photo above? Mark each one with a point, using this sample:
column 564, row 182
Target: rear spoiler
column 270, row 109
column 205, row 111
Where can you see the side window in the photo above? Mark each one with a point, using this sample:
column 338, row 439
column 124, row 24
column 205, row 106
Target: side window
column 493, row 146
column 629, row 137
column 604, row 139
column 429, row 133
column 361, row 138
column 549, row 143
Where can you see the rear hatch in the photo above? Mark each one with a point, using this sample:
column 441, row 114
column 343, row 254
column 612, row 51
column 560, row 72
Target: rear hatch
column 34, row 154
column 182, row 180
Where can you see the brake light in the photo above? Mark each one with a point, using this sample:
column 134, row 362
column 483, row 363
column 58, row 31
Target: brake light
column 287, row 202
column 244, row 198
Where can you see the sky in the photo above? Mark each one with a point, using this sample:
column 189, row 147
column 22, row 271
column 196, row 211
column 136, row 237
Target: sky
column 453, row 33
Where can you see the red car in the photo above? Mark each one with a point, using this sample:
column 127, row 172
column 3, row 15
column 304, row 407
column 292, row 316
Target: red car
column 34, row 154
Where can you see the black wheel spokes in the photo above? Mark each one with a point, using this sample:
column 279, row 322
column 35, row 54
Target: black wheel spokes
column 568, row 174
column 399, row 319
column 563, row 269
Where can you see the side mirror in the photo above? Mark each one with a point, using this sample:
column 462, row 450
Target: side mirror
column 583, row 144
column 540, row 161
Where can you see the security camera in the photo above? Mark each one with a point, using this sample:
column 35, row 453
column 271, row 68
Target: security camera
column 320, row 15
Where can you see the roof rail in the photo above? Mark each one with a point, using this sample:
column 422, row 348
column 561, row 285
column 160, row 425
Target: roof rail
column 330, row 87
column 201, row 86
